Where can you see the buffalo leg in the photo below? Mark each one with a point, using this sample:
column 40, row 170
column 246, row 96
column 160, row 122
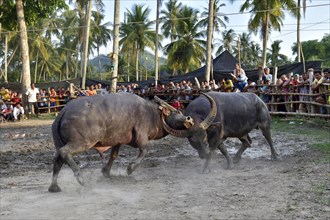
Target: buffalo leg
column 246, row 142
column 58, row 162
column 66, row 153
column 224, row 151
column 267, row 135
column 114, row 154
column 132, row 166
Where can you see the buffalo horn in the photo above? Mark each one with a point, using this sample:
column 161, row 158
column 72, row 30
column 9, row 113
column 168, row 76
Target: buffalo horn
column 211, row 116
column 177, row 133
column 163, row 103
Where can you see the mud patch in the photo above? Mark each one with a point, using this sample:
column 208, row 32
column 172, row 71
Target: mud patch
column 167, row 185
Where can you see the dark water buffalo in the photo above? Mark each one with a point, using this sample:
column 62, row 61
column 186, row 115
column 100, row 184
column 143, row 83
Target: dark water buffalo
column 237, row 114
column 108, row 121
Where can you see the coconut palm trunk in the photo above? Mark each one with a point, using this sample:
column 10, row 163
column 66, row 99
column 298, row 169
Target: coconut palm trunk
column 67, row 65
column 156, row 42
column 85, row 58
column 6, row 63
column 264, row 41
column 209, row 41
column 115, row 46
column 26, row 77
column 36, row 68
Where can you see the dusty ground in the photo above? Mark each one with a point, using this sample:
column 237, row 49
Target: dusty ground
column 168, row 185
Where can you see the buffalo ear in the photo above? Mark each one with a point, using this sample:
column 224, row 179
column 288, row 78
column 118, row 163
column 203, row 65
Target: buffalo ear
column 215, row 125
column 166, row 111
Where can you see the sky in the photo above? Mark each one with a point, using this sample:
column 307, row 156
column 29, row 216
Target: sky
column 313, row 27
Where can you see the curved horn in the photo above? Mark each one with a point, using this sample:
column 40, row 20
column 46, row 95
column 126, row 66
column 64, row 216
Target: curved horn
column 161, row 102
column 174, row 132
column 211, row 116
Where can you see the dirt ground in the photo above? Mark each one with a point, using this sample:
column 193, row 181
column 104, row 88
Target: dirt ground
column 169, row 183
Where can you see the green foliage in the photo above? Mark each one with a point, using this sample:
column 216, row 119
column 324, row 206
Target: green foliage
column 315, row 50
column 33, row 11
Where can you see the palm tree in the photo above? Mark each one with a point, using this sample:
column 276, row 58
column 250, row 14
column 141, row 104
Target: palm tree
column 188, row 51
column 266, row 15
column 254, row 56
column 170, row 18
column 227, row 41
column 275, row 57
column 245, row 42
column 217, row 21
column 101, row 34
column 299, row 51
column 137, row 33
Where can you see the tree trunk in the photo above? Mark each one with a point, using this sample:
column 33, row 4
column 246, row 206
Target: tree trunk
column 99, row 60
column 77, row 61
column 26, row 77
column 298, row 32
column 6, row 62
column 264, row 42
column 36, row 68
column 137, row 65
column 115, row 46
column 156, row 42
column 67, row 66
column 209, row 41
column 85, row 58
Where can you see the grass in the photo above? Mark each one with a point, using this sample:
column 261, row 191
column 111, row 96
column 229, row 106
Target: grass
column 317, row 130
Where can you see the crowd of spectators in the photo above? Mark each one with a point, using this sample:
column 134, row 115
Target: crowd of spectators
column 181, row 93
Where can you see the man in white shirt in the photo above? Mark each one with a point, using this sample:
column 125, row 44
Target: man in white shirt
column 18, row 112
column 33, row 94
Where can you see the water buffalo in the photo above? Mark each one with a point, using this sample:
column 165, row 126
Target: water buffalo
column 108, row 121
column 236, row 115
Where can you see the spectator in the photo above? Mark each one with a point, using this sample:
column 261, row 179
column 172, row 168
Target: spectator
column 303, row 88
column 317, row 87
column 228, row 85
column 250, row 86
column 52, row 97
column 239, row 77
column 177, row 105
column 16, row 98
column 92, row 91
column 265, row 89
column 2, row 105
column 18, row 112
column 33, row 94
column 267, row 75
column 7, row 113
column 5, row 93
column 122, row 89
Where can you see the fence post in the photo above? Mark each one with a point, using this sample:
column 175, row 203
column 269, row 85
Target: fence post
column 48, row 103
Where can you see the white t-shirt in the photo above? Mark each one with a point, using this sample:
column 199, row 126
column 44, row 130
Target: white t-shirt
column 18, row 111
column 32, row 94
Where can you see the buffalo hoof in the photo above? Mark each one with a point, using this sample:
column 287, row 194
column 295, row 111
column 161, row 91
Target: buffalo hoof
column 105, row 173
column 236, row 159
column 54, row 188
column 80, row 179
column 230, row 165
column 206, row 170
column 130, row 168
column 274, row 158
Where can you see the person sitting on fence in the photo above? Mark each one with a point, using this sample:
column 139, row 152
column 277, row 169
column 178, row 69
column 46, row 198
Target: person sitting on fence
column 18, row 112
column 33, row 96
column 239, row 77
column 303, row 88
column 52, row 97
column 318, row 88
column 7, row 113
